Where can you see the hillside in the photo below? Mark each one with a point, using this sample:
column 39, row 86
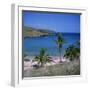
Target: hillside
column 33, row 32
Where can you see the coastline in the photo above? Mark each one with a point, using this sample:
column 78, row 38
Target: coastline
column 30, row 63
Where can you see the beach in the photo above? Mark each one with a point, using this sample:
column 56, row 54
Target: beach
column 52, row 68
column 30, row 63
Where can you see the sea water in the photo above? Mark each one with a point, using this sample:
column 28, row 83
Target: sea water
column 32, row 45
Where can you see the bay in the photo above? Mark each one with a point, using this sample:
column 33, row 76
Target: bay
column 32, row 45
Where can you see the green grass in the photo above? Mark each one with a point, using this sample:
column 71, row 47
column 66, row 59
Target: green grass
column 66, row 68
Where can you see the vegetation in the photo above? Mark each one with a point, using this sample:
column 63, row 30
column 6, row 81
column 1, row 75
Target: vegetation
column 72, row 53
column 33, row 32
column 67, row 68
column 42, row 58
column 60, row 41
column 78, row 43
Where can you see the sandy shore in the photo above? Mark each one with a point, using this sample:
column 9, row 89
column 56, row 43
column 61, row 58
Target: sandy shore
column 29, row 64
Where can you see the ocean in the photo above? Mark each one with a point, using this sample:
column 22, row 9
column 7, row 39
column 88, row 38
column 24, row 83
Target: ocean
column 32, row 45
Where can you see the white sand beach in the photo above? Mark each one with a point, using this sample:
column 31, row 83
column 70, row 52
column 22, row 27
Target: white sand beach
column 55, row 60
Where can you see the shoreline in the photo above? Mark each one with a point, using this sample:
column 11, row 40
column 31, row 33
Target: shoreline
column 55, row 60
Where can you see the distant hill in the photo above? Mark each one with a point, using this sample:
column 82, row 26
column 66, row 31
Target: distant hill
column 34, row 32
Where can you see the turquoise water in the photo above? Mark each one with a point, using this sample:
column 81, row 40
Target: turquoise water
column 33, row 45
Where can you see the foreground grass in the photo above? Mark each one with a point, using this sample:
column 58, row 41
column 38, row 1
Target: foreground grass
column 66, row 68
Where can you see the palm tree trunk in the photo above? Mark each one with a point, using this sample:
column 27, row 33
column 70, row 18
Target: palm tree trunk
column 42, row 64
column 60, row 55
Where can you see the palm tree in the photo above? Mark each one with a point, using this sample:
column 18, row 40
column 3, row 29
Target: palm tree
column 72, row 52
column 47, row 58
column 42, row 58
column 60, row 41
column 78, row 43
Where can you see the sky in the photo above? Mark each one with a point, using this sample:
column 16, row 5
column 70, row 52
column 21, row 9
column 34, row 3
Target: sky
column 59, row 22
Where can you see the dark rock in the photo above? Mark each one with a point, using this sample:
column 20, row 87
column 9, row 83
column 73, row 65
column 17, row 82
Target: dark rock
column 36, row 66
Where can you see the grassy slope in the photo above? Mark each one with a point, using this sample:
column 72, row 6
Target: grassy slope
column 33, row 32
column 70, row 68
